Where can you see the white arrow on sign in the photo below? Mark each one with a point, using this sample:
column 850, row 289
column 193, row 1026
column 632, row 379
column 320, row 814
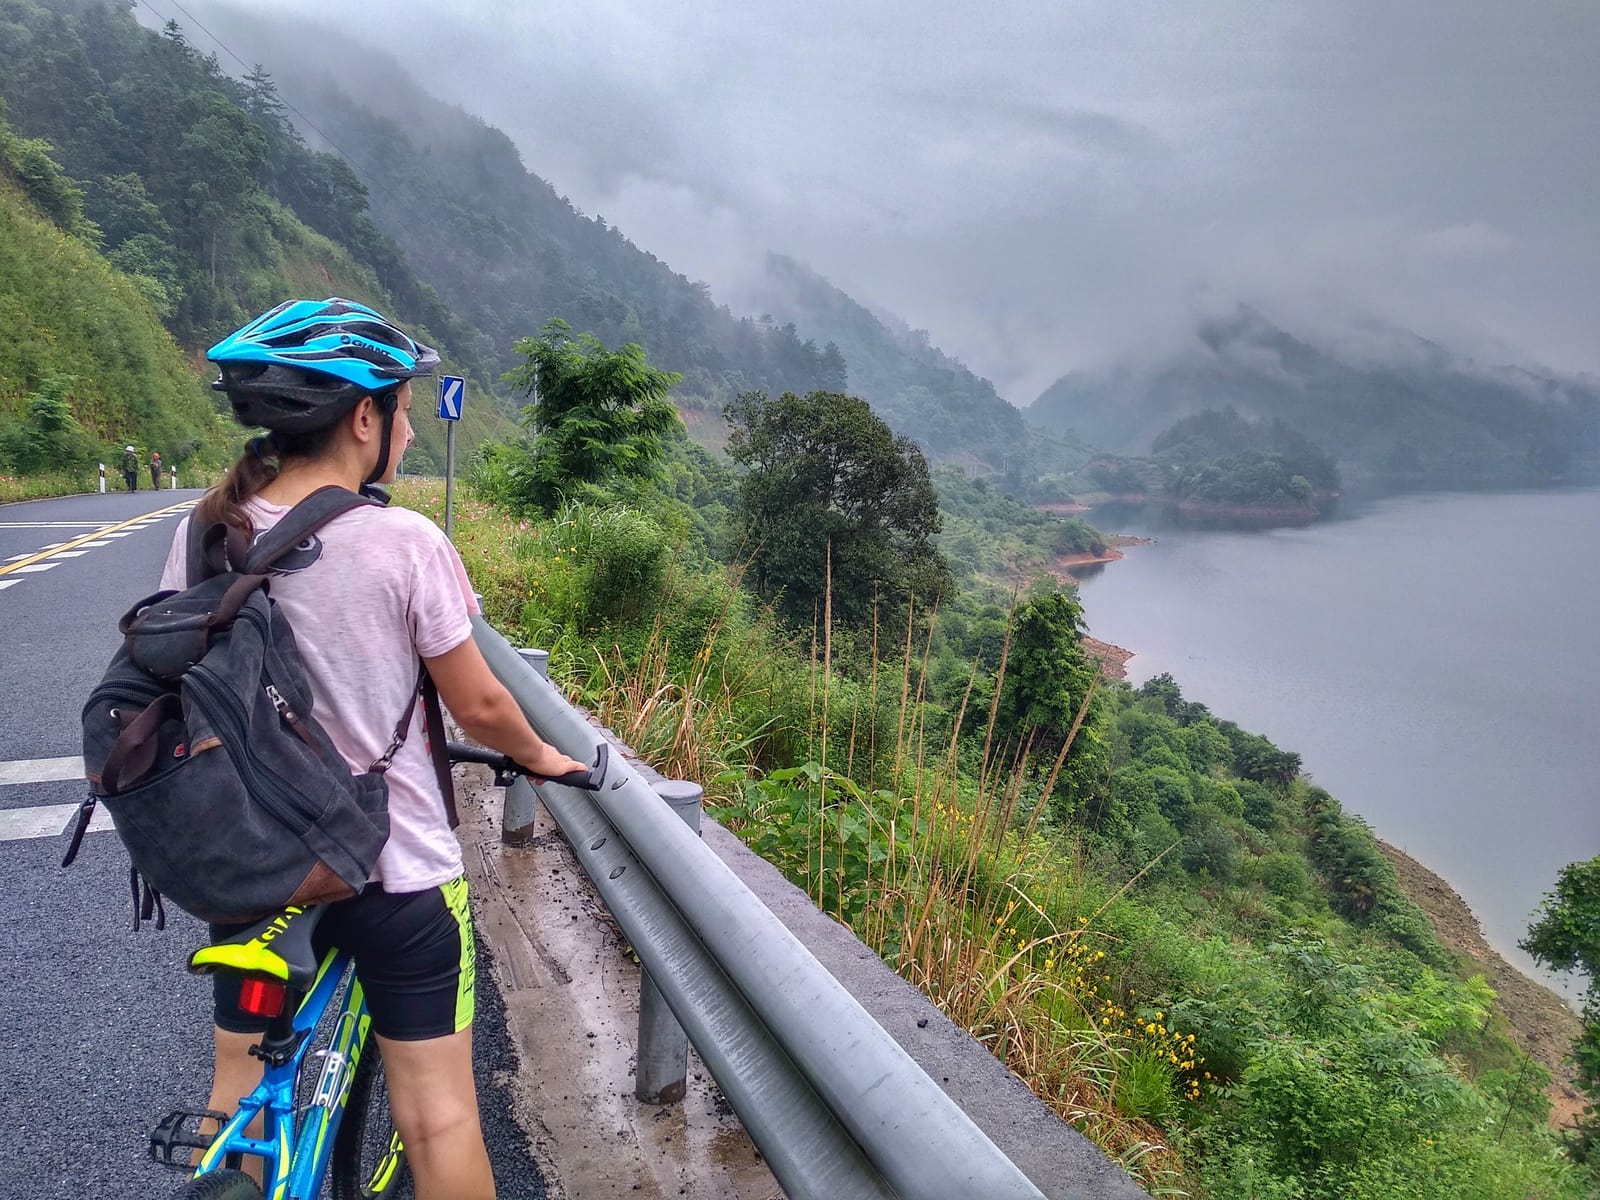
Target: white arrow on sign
column 451, row 391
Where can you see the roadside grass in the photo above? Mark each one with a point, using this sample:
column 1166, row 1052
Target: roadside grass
column 948, row 874
column 81, row 483
column 42, row 487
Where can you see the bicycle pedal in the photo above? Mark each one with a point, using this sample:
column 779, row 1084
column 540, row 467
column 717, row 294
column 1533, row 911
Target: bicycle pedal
column 175, row 1132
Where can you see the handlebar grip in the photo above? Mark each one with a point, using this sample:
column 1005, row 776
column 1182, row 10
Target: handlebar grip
column 588, row 780
column 458, row 752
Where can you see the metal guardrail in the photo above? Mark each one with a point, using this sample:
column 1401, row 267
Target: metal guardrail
column 837, row 1107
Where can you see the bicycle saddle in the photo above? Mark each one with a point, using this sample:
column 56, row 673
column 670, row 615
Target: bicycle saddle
column 278, row 947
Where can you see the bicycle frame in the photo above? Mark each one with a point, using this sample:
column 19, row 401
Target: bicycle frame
column 295, row 1156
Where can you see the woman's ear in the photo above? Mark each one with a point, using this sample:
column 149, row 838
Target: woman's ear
column 362, row 420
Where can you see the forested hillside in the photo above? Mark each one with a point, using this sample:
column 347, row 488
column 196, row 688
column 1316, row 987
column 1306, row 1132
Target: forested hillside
column 922, row 392
column 201, row 183
column 195, row 188
column 85, row 365
column 1403, row 414
column 503, row 247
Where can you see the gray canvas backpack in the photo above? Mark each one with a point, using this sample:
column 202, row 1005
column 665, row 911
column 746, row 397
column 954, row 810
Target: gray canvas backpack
column 202, row 742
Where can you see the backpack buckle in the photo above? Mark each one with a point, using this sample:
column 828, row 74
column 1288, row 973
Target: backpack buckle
column 385, row 760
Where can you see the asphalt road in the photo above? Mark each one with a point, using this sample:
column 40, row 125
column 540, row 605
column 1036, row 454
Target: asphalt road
column 103, row 1030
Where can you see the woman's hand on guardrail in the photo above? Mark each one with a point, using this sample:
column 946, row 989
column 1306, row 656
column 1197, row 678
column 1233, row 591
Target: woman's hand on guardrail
column 550, row 763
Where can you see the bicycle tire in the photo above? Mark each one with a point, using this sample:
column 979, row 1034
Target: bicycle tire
column 219, row 1185
column 368, row 1160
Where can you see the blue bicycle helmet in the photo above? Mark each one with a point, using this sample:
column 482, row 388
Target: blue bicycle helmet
column 306, row 363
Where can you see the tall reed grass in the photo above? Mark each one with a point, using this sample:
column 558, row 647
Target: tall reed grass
column 942, row 860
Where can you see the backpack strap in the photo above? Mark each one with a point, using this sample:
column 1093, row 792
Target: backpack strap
column 299, row 523
column 213, row 549
column 433, row 720
column 134, row 752
column 436, row 747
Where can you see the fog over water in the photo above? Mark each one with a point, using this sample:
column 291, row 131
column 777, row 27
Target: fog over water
column 1434, row 659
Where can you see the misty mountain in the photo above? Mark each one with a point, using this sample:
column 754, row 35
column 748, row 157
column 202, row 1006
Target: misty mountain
column 1395, row 410
column 920, row 391
column 498, row 242
column 506, row 251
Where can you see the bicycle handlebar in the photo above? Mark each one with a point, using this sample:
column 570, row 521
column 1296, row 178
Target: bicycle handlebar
column 506, row 768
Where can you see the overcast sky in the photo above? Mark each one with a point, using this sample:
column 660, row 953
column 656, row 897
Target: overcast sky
column 1051, row 185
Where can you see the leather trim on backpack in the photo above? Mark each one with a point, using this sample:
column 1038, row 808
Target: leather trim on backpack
column 134, row 751
column 321, row 886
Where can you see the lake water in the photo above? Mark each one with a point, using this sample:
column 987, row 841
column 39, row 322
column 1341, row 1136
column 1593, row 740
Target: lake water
column 1435, row 660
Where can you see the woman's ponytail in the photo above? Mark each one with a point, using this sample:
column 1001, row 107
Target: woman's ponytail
column 257, row 467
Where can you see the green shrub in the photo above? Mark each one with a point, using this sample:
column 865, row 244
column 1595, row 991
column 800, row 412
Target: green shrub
column 622, row 563
column 1260, row 805
column 48, row 437
column 1285, row 876
column 1210, row 846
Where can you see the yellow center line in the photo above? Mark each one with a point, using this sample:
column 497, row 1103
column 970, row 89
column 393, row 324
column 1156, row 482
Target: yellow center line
column 89, row 537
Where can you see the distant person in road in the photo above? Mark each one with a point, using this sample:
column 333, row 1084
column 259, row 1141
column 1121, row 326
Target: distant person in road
column 376, row 591
column 155, row 469
column 130, row 468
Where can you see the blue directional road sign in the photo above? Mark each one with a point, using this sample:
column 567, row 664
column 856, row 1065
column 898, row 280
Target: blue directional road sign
column 452, row 397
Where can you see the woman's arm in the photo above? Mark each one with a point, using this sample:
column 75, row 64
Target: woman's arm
column 484, row 708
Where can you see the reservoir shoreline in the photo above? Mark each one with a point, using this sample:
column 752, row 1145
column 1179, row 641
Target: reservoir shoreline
column 1540, row 1020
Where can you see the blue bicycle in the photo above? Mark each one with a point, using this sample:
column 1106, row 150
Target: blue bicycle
column 322, row 1103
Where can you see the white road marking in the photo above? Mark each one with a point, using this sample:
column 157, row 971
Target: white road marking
column 92, row 545
column 47, row 820
column 72, row 554
column 41, row 770
column 34, row 568
column 20, row 557
column 55, row 524
column 5, row 583
column 121, row 533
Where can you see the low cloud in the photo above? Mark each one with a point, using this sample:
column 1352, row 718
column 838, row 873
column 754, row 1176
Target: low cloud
column 1046, row 187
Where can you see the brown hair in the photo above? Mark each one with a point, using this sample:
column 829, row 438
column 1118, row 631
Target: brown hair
column 257, row 467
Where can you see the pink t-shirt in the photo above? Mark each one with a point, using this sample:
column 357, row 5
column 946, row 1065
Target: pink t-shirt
column 366, row 595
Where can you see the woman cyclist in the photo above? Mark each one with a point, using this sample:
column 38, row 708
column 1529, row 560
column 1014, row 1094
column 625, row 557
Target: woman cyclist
column 371, row 593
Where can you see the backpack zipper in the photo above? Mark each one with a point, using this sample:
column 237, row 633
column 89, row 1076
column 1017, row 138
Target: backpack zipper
column 263, row 784
column 127, row 692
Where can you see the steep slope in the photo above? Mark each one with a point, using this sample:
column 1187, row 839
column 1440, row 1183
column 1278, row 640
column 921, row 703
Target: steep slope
column 954, row 414
column 191, row 182
column 916, row 388
column 1409, row 414
column 76, row 331
column 502, row 247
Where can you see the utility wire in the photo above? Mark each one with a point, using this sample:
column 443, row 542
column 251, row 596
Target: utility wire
column 349, row 161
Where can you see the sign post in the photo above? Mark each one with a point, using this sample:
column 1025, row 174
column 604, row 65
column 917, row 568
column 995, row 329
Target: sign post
column 452, row 399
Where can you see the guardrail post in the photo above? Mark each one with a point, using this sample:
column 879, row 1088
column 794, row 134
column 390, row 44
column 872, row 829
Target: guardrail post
column 517, row 814
column 102, row 477
column 663, row 1048
column 173, row 485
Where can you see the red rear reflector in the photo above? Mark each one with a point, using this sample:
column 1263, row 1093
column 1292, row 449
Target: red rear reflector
column 261, row 997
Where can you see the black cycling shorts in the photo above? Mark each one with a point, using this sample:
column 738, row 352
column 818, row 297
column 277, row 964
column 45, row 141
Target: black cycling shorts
column 414, row 955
